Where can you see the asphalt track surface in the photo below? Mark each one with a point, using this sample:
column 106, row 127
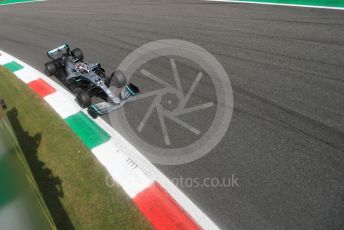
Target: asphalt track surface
column 285, row 142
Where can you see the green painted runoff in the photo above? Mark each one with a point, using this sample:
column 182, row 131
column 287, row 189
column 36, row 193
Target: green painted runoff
column 8, row 2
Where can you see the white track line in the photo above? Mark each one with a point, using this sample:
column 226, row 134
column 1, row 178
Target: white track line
column 278, row 4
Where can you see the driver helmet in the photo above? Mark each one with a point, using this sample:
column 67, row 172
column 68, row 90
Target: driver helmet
column 81, row 67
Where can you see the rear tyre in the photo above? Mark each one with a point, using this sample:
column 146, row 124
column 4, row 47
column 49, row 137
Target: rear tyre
column 83, row 99
column 77, row 53
column 50, row 68
column 118, row 79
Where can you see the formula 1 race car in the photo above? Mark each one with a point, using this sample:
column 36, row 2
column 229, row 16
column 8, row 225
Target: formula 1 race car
column 86, row 80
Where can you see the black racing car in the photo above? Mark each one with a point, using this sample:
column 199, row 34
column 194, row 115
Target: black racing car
column 86, row 80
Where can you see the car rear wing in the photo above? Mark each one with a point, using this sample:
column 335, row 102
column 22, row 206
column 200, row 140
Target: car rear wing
column 59, row 51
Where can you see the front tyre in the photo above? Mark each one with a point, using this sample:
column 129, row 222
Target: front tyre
column 118, row 79
column 92, row 113
column 50, row 68
column 83, row 99
column 77, row 53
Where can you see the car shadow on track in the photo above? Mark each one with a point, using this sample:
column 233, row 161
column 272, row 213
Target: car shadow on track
column 49, row 185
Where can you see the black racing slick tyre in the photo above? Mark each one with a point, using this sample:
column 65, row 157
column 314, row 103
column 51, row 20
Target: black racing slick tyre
column 83, row 99
column 50, row 68
column 118, row 79
column 77, row 53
